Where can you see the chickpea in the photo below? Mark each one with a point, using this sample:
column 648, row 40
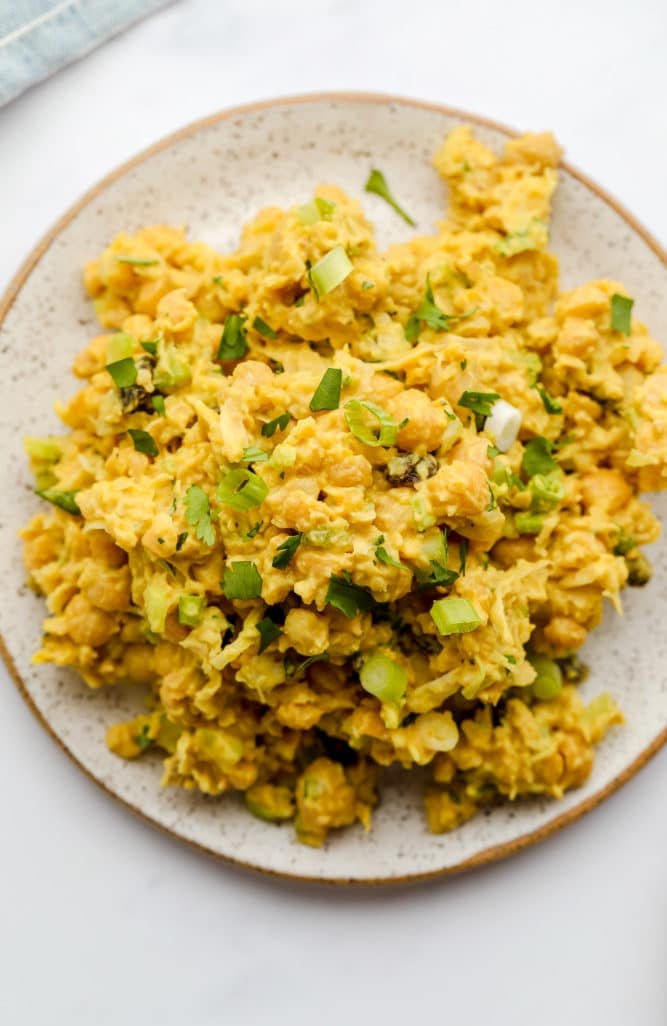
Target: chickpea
column 87, row 625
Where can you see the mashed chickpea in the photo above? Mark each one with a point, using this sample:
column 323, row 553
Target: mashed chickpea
column 337, row 509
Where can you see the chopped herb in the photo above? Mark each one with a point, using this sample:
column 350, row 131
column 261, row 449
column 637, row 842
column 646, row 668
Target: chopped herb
column 438, row 575
column 242, row 581
column 242, row 489
column 511, row 659
column 296, row 670
column 255, row 529
column 143, row 442
column 327, row 393
column 348, row 597
column 123, row 372
column 143, row 740
column 278, row 423
column 551, row 405
column 234, row 341
column 383, row 433
column 150, row 346
column 430, row 314
column 621, row 313
column 463, row 555
column 383, row 556
column 285, row 551
column 157, row 402
column 217, row 280
column 537, row 458
column 263, row 328
column 481, row 404
column 329, row 272
column 624, row 544
column 367, row 285
column 181, row 540
column 463, row 364
column 325, row 207
column 253, row 454
column 268, row 633
column 377, row 184
column 198, row 514
column 137, row 261
column 64, row 499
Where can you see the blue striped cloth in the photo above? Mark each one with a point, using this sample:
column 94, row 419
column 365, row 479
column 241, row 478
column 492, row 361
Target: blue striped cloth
column 37, row 37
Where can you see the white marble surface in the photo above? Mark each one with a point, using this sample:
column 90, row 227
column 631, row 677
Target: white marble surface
column 105, row 921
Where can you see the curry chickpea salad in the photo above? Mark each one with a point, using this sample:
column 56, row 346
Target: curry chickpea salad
column 337, row 509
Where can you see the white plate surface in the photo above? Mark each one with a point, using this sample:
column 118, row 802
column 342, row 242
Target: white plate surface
column 213, row 177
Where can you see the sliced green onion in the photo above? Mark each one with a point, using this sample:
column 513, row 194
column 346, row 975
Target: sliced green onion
column 384, row 433
column 547, row 491
column 537, row 458
column 150, row 346
column 64, row 499
column 268, row 633
column 253, row 454
column 327, row 393
column 424, row 516
column 242, row 581
column 143, row 442
column 254, row 530
column 454, row 615
column 157, row 402
column 263, row 328
column 181, row 540
column 242, row 489
column 319, row 209
column 123, row 372
column 528, row 523
column 504, row 423
column 377, row 184
column 42, row 449
column 381, row 676
column 234, row 342
column 329, row 272
column 549, row 680
column 120, row 346
column 348, row 597
column 137, row 261
column 278, row 423
column 171, row 371
column 190, row 609
column 285, row 551
column 621, row 313
column 550, row 404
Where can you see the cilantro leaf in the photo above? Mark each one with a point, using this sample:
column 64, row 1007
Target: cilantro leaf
column 537, row 458
column 280, row 422
column 143, row 442
column 198, row 514
column 348, row 597
column 268, row 633
column 285, row 551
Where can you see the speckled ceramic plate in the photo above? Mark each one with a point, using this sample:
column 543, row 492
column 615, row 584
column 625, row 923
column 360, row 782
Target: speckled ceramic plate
column 213, row 176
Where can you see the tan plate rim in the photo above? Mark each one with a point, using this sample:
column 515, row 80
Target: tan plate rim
column 494, row 852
